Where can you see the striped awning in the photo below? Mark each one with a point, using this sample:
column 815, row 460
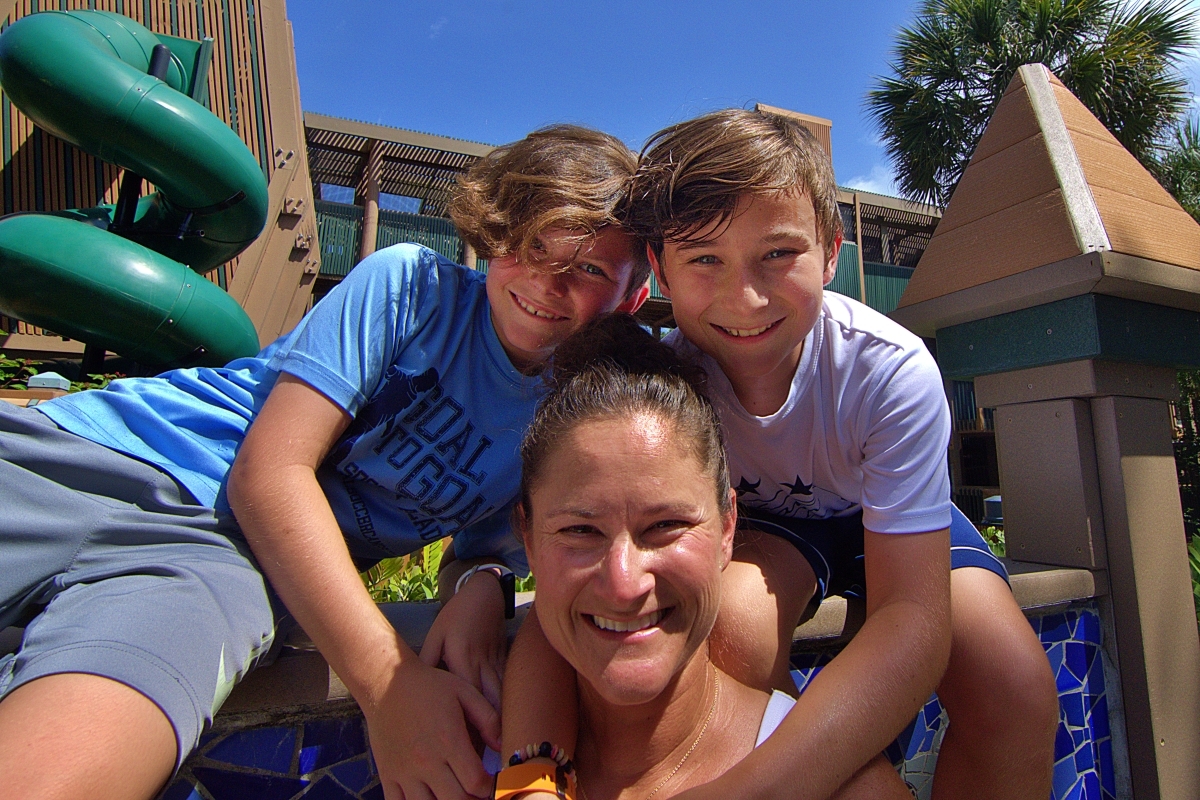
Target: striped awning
column 413, row 164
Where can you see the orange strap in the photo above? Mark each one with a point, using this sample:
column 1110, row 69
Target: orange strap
column 534, row 777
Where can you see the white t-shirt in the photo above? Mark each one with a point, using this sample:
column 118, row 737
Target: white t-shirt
column 865, row 424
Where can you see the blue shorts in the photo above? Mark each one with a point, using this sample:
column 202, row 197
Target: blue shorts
column 114, row 570
column 834, row 547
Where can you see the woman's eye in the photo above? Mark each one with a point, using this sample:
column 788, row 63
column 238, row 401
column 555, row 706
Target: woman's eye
column 592, row 269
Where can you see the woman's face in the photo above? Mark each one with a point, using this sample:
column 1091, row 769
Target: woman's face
column 628, row 543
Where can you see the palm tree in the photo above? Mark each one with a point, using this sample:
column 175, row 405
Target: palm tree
column 952, row 65
column 1178, row 167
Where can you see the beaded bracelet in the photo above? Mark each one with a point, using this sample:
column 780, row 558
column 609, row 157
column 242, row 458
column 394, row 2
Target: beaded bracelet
column 544, row 750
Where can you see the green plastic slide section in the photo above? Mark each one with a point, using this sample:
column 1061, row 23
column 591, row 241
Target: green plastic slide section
column 82, row 75
column 85, row 283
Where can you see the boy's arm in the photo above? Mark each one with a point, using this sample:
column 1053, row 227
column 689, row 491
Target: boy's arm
column 285, row 517
column 541, row 698
column 858, row 703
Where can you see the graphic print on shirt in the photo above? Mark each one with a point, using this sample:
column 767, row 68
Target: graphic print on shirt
column 412, row 440
column 793, row 498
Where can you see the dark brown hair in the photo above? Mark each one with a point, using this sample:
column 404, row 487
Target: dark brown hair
column 693, row 174
column 611, row 369
column 562, row 176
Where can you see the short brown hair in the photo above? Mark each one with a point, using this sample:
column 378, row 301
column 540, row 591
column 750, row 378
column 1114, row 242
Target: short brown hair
column 561, row 176
column 693, row 174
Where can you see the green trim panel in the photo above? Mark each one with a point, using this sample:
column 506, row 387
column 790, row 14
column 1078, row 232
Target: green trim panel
column 1087, row 326
column 845, row 280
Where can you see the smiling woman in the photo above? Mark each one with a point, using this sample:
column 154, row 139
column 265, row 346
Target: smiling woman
column 628, row 520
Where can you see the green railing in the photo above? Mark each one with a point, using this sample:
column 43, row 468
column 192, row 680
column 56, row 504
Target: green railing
column 435, row 233
column 339, row 226
column 885, row 284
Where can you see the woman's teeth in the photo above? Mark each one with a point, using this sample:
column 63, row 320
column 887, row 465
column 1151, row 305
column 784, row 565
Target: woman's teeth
column 536, row 312
column 625, row 626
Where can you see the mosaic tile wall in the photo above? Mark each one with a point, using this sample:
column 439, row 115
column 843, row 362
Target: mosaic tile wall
column 1083, row 754
column 327, row 759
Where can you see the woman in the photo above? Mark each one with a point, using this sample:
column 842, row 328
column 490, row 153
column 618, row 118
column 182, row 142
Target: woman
column 628, row 521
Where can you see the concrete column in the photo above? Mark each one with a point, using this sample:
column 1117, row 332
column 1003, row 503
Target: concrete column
column 1088, row 476
column 369, row 192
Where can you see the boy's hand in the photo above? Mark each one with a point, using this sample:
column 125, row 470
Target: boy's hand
column 418, row 732
column 469, row 636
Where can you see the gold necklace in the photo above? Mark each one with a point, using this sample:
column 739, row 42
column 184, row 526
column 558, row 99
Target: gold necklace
column 712, row 710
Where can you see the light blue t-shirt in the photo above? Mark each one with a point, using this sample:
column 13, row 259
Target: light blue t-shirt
column 405, row 344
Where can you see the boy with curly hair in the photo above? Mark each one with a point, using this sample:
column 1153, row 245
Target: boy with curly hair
column 137, row 518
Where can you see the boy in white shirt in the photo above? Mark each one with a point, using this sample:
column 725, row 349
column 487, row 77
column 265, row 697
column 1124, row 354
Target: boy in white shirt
column 837, row 428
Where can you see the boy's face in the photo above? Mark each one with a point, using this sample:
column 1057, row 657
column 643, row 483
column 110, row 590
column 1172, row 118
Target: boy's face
column 535, row 307
column 750, row 290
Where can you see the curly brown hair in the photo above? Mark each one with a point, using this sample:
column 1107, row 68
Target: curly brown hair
column 561, row 176
column 692, row 175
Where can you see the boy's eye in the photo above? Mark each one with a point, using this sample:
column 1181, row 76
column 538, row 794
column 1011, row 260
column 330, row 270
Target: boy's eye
column 779, row 253
column 592, row 269
column 705, row 259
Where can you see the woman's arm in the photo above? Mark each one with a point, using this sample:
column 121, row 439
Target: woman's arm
column 858, row 703
column 541, row 699
column 285, row 517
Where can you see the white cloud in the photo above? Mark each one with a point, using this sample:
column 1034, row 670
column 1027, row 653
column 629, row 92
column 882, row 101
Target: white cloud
column 436, row 27
column 880, row 181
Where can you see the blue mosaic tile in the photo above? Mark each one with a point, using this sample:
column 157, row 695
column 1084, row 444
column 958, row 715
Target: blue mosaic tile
column 1072, row 708
column 1076, row 659
column 354, row 775
column 1063, row 744
column 239, row 785
column 180, row 790
column 374, row 793
column 1065, row 778
column 264, row 748
column 1054, row 628
column 328, row 789
column 329, row 741
column 1108, row 780
column 1090, row 628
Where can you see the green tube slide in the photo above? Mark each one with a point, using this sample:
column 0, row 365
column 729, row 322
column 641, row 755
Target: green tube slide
column 82, row 75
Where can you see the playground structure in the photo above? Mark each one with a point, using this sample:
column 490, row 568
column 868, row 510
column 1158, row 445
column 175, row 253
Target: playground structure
column 181, row 275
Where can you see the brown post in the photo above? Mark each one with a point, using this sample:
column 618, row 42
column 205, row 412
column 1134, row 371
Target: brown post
column 369, row 191
column 1088, row 477
column 862, row 273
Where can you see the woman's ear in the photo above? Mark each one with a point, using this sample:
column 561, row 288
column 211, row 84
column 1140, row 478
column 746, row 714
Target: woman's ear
column 729, row 527
column 519, row 521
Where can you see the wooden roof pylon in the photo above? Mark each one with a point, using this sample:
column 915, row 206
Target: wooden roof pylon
column 1051, row 206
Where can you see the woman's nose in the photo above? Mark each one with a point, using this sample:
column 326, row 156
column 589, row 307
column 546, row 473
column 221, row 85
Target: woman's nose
column 626, row 577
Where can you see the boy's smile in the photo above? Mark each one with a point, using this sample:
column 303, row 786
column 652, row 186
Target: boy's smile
column 534, row 307
column 748, row 291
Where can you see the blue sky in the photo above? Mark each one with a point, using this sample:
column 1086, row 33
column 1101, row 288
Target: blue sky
column 492, row 70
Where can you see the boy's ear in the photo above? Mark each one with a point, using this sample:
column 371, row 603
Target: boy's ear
column 634, row 301
column 831, row 260
column 658, row 273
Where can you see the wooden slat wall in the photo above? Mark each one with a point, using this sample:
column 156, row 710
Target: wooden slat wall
column 1140, row 217
column 42, row 173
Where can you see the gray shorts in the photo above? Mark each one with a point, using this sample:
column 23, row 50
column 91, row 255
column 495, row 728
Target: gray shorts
column 127, row 577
